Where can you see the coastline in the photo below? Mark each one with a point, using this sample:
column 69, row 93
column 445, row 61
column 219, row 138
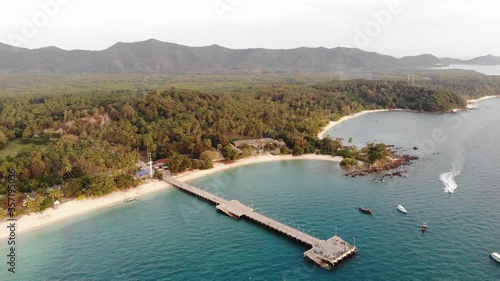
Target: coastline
column 219, row 167
column 331, row 124
column 75, row 208
column 348, row 117
column 470, row 103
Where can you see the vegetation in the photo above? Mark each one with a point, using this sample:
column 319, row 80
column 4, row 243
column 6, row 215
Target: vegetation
column 348, row 162
column 88, row 142
column 13, row 147
column 396, row 95
column 376, row 152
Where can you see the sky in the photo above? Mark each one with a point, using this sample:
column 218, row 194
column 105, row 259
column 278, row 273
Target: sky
column 445, row 28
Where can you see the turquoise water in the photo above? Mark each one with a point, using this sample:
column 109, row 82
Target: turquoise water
column 172, row 236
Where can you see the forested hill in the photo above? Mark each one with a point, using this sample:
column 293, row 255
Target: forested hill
column 90, row 140
column 154, row 56
column 397, row 95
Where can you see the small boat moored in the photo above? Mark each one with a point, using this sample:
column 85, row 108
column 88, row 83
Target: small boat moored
column 495, row 256
column 424, row 227
column 366, row 211
column 130, row 199
column 402, row 209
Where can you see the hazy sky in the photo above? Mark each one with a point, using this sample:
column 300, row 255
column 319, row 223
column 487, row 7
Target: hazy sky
column 457, row 28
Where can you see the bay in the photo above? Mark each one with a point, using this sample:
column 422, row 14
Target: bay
column 172, row 236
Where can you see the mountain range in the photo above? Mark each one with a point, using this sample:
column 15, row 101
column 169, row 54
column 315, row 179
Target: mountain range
column 153, row 56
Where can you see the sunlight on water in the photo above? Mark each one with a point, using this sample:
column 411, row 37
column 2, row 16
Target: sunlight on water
column 172, row 236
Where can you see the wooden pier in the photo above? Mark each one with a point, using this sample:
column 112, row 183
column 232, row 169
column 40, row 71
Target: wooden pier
column 326, row 253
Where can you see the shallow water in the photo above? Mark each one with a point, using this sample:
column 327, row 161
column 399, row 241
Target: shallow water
column 172, row 236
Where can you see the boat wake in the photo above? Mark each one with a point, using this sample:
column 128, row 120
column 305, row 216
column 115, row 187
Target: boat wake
column 448, row 180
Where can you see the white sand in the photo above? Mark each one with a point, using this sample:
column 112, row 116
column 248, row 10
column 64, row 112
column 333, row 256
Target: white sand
column 253, row 160
column 73, row 208
column 345, row 118
column 77, row 207
column 322, row 134
column 470, row 103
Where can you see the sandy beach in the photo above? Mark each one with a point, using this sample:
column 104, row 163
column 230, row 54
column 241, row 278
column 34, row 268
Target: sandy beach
column 78, row 207
column 218, row 167
column 470, row 103
column 322, row 134
column 74, row 208
column 345, row 118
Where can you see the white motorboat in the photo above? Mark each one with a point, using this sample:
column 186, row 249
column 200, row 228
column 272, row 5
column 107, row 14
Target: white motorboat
column 424, row 227
column 402, row 209
column 496, row 256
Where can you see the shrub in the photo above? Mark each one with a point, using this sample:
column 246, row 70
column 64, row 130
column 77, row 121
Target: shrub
column 348, row 162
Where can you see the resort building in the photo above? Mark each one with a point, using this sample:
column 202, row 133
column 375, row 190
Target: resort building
column 160, row 164
column 142, row 173
column 260, row 143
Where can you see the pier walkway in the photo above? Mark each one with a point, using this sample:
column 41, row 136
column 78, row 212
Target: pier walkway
column 326, row 253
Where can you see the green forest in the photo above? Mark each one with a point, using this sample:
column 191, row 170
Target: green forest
column 89, row 141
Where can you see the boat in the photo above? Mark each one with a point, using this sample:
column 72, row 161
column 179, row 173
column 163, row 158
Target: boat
column 130, row 200
column 424, row 227
column 366, row 211
column 402, row 209
column 495, row 256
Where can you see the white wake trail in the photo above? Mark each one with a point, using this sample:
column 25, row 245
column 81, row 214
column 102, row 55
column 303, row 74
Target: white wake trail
column 448, row 180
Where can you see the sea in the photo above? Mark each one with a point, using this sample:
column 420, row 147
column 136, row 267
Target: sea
column 454, row 187
column 484, row 69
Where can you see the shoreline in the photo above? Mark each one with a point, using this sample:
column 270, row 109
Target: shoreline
column 470, row 103
column 73, row 208
column 331, row 124
column 219, row 167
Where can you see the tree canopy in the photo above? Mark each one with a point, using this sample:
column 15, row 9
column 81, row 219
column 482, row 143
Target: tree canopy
column 89, row 141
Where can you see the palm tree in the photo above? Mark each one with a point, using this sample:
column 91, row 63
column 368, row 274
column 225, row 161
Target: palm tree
column 38, row 201
column 52, row 194
column 66, row 167
column 55, row 194
column 30, row 204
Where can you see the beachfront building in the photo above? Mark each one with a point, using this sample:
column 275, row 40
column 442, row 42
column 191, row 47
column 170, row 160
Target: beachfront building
column 142, row 173
column 261, row 144
column 216, row 156
column 160, row 164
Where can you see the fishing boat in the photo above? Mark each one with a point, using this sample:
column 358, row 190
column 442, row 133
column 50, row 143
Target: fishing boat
column 402, row 209
column 495, row 256
column 424, row 227
column 366, row 211
column 130, row 199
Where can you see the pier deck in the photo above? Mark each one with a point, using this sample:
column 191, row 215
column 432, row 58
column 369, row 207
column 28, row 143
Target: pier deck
column 326, row 253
